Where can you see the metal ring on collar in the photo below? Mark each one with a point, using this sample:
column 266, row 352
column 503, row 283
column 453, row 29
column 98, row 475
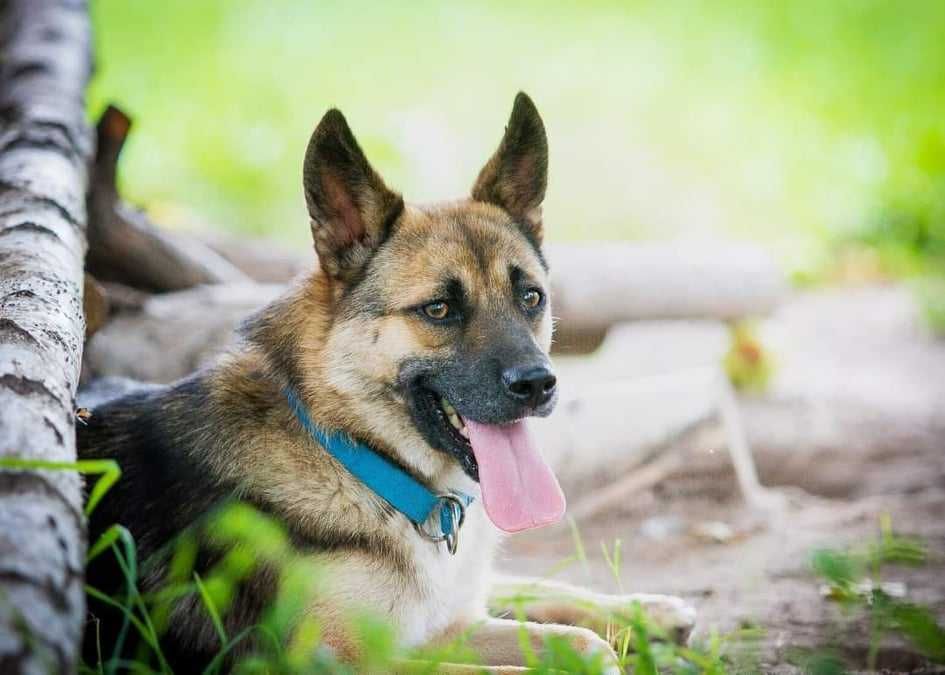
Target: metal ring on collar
column 458, row 514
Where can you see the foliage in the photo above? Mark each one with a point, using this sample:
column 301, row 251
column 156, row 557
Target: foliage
column 287, row 640
column 106, row 468
column 811, row 125
column 855, row 580
column 930, row 295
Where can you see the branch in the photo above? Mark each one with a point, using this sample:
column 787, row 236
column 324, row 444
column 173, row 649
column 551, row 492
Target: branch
column 125, row 246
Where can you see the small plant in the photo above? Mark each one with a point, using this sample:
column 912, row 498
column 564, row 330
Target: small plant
column 854, row 579
column 644, row 648
column 748, row 365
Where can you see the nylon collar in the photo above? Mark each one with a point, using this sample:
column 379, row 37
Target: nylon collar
column 390, row 482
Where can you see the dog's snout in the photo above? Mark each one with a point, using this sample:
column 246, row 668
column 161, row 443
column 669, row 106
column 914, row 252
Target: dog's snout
column 530, row 385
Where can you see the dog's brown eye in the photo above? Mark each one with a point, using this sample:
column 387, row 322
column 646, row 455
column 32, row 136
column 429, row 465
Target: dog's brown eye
column 437, row 310
column 531, row 298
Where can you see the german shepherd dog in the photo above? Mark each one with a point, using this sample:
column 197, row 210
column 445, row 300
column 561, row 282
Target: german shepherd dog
column 422, row 337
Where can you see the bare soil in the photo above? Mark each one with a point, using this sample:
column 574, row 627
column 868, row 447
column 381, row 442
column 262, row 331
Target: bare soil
column 852, row 428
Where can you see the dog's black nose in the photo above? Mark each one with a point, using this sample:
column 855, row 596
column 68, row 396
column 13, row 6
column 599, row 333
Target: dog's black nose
column 532, row 385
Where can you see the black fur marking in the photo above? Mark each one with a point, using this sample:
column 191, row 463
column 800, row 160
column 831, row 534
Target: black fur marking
column 515, row 275
column 149, row 438
column 481, row 249
column 454, row 293
column 164, row 439
column 162, row 491
column 535, row 242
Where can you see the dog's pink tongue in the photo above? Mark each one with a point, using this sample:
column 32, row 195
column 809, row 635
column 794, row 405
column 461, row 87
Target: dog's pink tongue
column 519, row 489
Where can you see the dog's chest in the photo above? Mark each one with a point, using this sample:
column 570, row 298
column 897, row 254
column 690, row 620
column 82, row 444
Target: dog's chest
column 448, row 588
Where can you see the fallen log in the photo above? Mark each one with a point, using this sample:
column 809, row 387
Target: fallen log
column 125, row 246
column 172, row 334
column 598, row 285
column 45, row 62
column 715, row 283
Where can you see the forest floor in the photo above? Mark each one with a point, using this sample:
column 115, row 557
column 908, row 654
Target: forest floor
column 852, row 430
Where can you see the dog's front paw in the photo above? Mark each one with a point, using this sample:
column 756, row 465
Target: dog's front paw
column 670, row 614
column 588, row 643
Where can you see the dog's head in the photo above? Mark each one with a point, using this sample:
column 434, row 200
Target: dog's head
column 440, row 320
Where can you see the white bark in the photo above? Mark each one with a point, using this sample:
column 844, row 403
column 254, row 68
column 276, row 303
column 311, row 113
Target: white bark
column 44, row 148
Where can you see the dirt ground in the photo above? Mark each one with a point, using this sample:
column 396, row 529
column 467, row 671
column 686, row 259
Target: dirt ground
column 852, row 428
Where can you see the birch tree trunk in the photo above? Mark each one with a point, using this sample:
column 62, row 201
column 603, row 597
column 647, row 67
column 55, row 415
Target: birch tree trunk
column 45, row 62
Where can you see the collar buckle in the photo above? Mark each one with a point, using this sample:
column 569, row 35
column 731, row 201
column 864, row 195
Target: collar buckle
column 449, row 514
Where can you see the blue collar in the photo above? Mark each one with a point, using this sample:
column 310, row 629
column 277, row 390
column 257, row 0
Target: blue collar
column 394, row 485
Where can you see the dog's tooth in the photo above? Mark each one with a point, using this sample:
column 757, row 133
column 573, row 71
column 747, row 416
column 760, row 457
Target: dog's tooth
column 447, row 406
column 454, row 420
column 463, row 431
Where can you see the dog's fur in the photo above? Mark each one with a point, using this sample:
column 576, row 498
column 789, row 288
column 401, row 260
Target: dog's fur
column 354, row 340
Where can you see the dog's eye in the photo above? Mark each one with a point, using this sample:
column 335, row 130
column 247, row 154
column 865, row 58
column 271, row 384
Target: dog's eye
column 532, row 298
column 438, row 310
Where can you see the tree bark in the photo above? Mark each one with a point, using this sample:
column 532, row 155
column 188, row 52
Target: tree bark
column 45, row 62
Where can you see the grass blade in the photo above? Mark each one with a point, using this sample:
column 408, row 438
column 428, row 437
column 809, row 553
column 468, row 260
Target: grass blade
column 211, row 609
column 108, row 469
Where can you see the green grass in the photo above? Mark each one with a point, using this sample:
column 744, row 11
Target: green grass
column 106, row 468
column 288, row 639
column 804, row 124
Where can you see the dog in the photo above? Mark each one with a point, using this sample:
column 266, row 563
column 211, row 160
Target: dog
column 401, row 372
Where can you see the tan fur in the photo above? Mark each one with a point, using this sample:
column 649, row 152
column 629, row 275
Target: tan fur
column 342, row 362
column 344, row 354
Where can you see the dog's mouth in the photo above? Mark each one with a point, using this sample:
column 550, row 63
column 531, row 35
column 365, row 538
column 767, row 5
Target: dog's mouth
column 445, row 429
column 519, row 490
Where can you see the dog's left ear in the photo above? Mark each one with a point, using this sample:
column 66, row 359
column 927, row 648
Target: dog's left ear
column 517, row 174
column 350, row 207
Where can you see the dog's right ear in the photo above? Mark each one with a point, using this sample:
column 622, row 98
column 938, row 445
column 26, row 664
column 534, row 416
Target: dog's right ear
column 350, row 208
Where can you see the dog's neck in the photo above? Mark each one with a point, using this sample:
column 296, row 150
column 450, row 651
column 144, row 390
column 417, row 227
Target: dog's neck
column 297, row 321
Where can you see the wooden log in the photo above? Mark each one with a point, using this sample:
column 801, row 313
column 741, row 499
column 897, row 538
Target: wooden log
column 598, row 285
column 125, row 246
column 263, row 261
column 45, row 145
column 172, row 334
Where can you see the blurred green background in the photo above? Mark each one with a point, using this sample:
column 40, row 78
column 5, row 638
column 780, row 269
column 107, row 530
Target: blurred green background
column 815, row 126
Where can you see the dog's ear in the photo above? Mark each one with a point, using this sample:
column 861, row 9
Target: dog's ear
column 351, row 209
column 517, row 174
